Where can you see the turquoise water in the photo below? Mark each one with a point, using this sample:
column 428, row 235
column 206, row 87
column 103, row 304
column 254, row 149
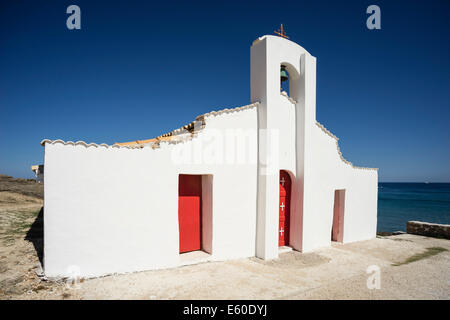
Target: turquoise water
column 402, row 202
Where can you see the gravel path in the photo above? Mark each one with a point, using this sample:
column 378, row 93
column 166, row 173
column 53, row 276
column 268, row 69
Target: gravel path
column 337, row 272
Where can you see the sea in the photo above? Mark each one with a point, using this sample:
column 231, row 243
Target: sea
column 399, row 203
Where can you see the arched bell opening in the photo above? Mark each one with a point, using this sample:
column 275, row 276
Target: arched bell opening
column 289, row 77
column 284, row 79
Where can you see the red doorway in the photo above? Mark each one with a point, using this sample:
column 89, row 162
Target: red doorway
column 189, row 212
column 337, row 230
column 284, row 209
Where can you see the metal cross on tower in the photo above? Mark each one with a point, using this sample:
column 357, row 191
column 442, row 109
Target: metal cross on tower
column 281, row 32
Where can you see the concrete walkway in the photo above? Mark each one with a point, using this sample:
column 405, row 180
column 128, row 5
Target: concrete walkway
column 338, row 272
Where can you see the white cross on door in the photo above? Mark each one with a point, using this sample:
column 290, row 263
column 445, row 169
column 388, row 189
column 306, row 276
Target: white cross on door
column 282, row 206
column 282, row 181
column 281, row 231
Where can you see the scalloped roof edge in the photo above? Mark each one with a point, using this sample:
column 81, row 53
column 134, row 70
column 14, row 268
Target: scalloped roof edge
column 92, row 144
column 327, row 132
column 164, row 137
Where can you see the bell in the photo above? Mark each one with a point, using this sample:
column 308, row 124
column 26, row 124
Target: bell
column 283, row 74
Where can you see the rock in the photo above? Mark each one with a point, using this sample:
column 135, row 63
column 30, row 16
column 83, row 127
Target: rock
column 428, row 229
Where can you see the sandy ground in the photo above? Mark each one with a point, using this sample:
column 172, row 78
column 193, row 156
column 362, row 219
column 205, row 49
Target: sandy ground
column 337, row 272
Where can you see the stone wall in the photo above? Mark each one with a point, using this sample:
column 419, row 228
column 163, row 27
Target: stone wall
column 428, row 229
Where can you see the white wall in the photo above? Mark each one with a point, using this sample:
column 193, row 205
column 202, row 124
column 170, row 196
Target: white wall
column 327, row 172
column 115, row 210
column 207, row 213
column 310, row 154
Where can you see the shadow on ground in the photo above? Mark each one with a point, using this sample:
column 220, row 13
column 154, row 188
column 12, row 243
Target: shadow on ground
column 36, row 235
column 294, row 259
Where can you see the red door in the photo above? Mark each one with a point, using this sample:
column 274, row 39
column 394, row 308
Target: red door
column 189, row 211
column 337, row 230
column 285, row 197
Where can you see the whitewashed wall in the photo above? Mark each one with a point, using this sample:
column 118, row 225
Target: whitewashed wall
column 314, row 162
column 115, row 210
column 326, row 172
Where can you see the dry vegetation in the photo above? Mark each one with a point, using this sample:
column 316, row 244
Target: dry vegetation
column 21, row 236
column 26, row 187
column 429, row 252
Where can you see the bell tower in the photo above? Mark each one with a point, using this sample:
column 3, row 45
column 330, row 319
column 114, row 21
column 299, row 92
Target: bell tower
column 270, row 55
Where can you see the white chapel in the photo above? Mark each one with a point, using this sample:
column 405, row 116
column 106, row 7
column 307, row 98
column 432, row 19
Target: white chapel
column 249, row 181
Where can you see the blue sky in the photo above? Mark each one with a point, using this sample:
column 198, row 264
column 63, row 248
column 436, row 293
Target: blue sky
column 137, row 69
